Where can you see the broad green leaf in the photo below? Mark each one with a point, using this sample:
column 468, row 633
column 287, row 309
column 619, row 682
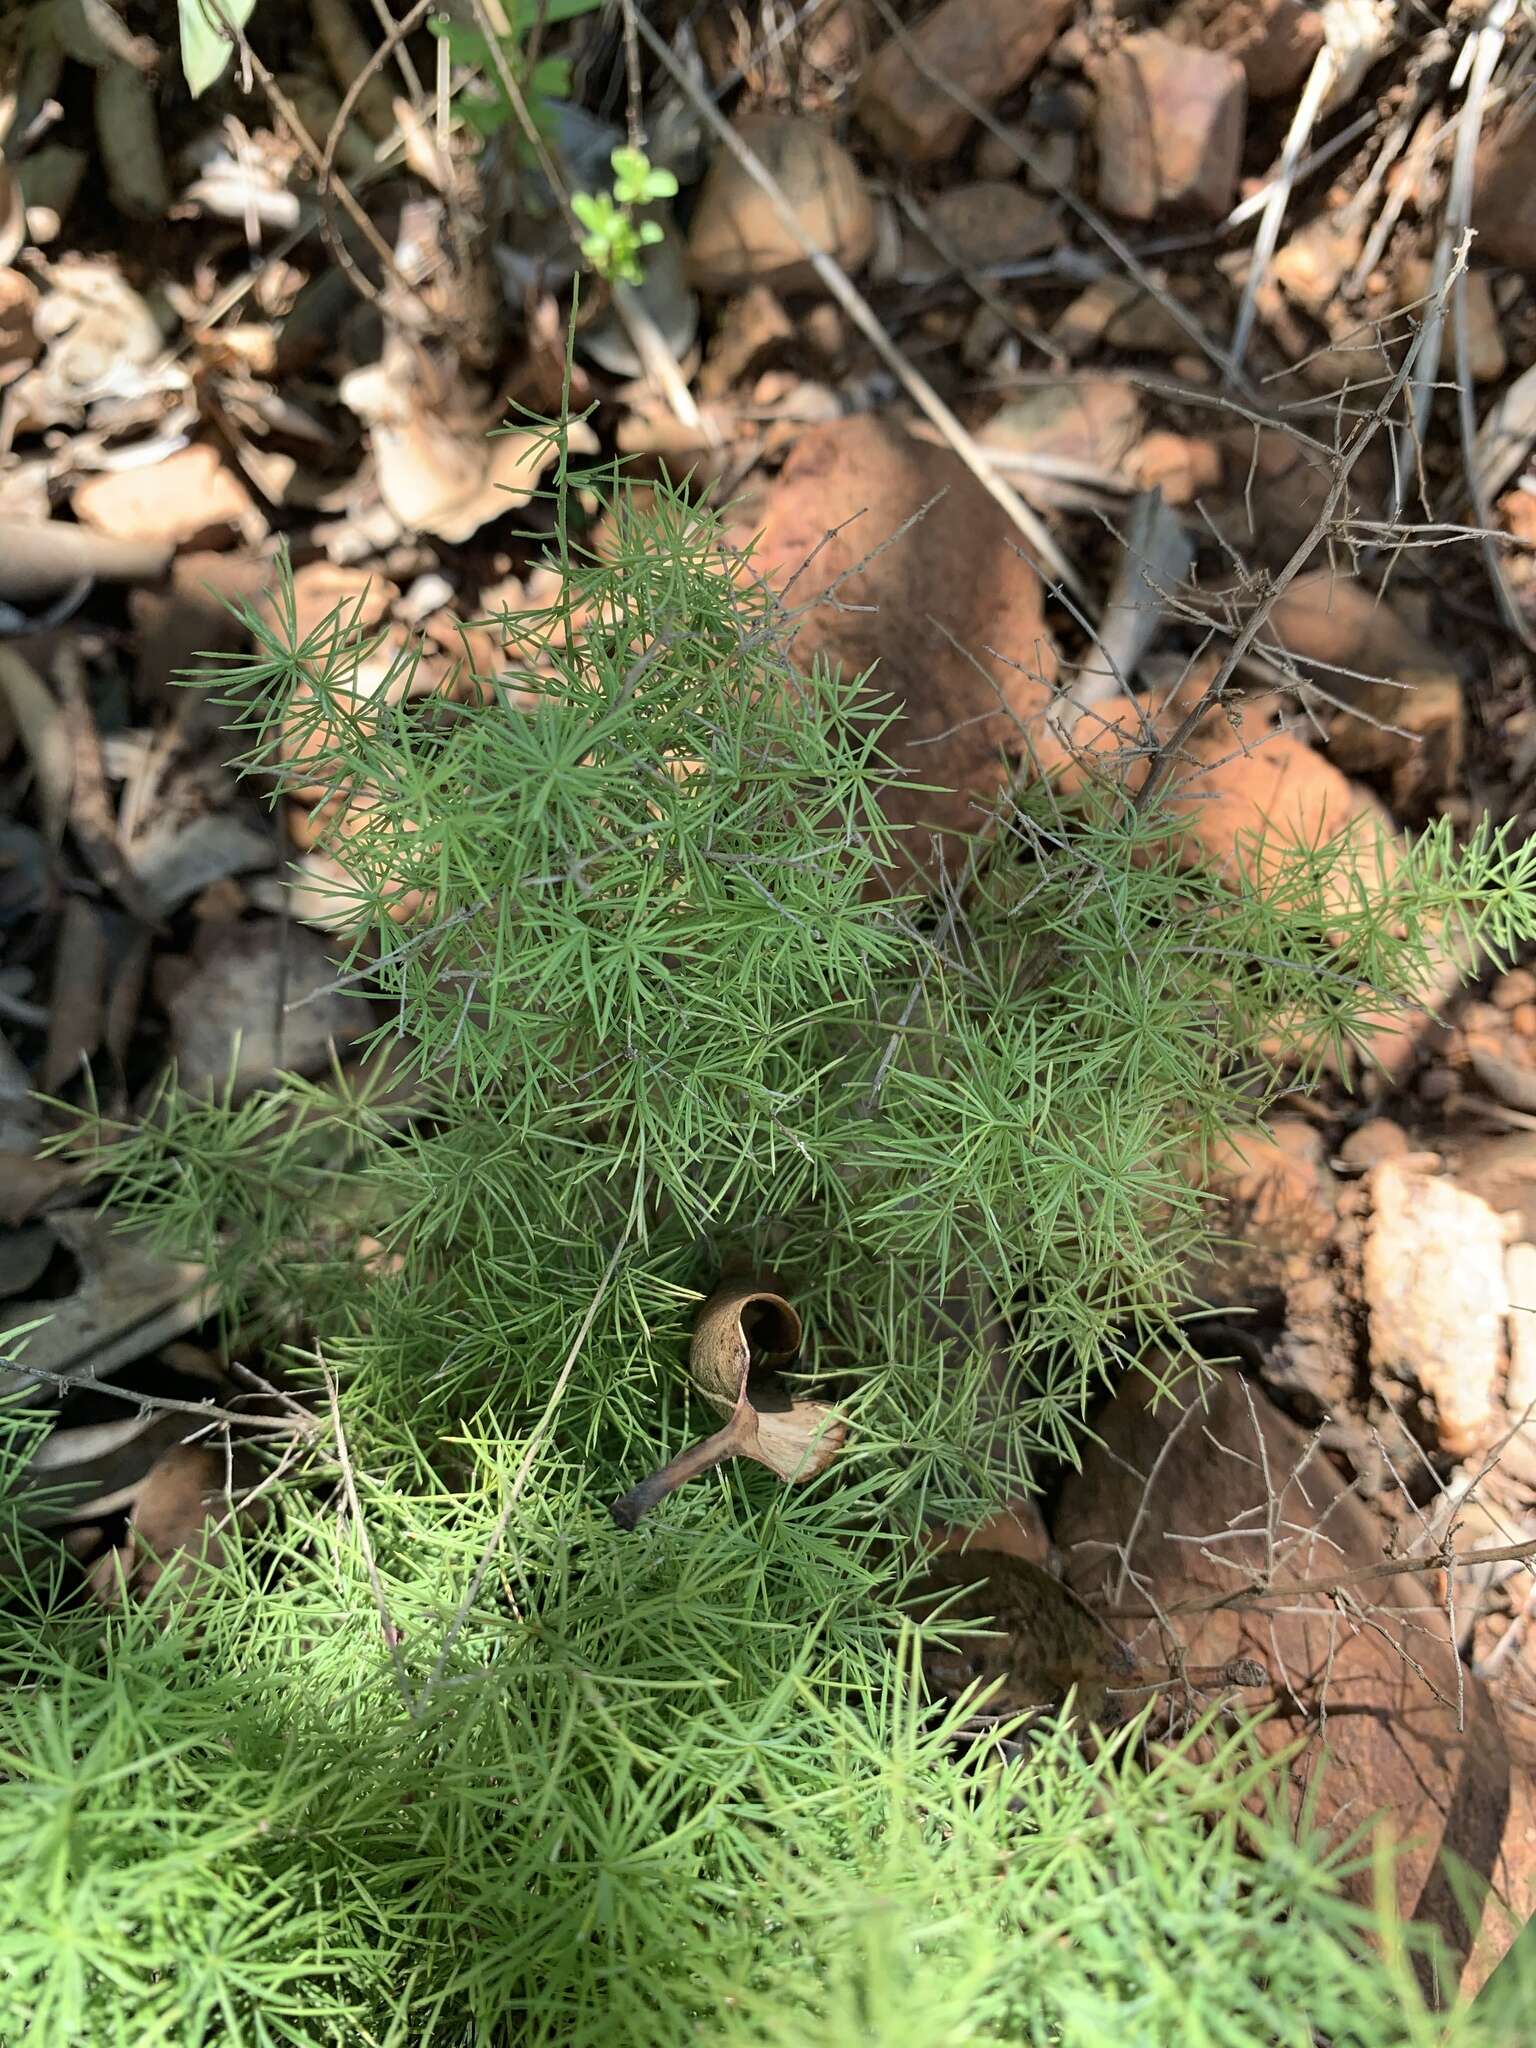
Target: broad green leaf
column 524, row 13
column 485, row 115
column 550, row 80
column 465, row 45
column 206, row 47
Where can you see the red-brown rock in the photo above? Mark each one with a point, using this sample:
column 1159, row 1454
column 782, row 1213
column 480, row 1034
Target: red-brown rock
column 1169, row 124
column 1370, row 1677
column 986, row 47
column 1410, row 722
column 1275, row 41
column 1504, row 190
column 923, row 611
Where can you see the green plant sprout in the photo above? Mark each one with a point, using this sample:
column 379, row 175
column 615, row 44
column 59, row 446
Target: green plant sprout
column 614, row 237
column 480, row 1769
column 486, row 107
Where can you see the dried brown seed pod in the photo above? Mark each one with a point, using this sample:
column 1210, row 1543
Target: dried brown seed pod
column 744, row 1336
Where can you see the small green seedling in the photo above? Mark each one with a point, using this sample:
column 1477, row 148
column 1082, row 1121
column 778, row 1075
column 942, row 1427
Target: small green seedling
column 614, row 237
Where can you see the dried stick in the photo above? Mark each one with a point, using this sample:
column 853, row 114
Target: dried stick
column 864, row 317
column 1480, row 56
column 380, row 57
column 408, row 69
column 1444, row 1559
column 1308, row 107
column 205, row 1411
column 315, row 157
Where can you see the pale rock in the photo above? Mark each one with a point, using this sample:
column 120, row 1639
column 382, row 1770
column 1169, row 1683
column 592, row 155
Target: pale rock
column 1368, row 1146
column 986, row 47
column 1502, row 1170
column 1377, row 665
column 1169, row 124
column 1436, row 1298
column 1503, row 1063
column 1121, row 314
column 1049, row 162
column 1276, row 1198
column 1310, row 267
column 737, row 238
column 1090, row 422
column 747, row 328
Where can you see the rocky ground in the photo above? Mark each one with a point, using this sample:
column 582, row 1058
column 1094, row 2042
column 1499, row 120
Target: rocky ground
column 1206, row 337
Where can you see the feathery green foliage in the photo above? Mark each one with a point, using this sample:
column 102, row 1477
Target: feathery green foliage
column 658, row 1009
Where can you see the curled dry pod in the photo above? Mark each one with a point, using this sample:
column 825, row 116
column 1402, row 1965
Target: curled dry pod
column 743, row 1336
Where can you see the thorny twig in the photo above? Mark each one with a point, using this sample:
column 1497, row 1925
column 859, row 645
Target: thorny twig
column 299, row 1424
column 1444, row 1559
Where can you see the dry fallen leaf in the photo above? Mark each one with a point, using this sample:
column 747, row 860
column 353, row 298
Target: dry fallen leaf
column 18, row 336
column 95, row 1469
column 439, row 472
column 40, row 557
column 76, row 994
column 102, row 341
column 1181, row 1515
column 191, row 498
column 258, row 999
column 743, row 1336
column 13, row 216
column 172, row 1522
column 175, row 1522
column 128, row 1301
